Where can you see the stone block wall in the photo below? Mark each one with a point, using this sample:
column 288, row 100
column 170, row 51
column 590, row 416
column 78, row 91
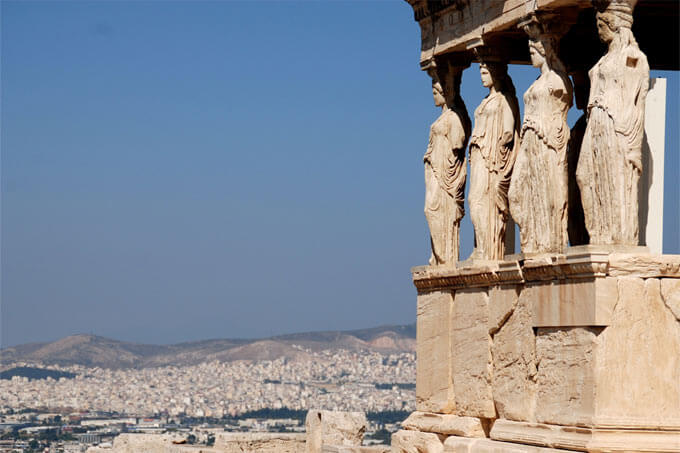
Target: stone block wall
column 578, row 351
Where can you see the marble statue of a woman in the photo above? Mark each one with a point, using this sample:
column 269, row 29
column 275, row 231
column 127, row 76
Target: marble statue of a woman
column 538, row 190
column 610, row 162
column 446, row 169
column 493, row 147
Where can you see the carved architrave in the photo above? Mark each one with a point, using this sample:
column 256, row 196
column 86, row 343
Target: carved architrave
column 577, row 264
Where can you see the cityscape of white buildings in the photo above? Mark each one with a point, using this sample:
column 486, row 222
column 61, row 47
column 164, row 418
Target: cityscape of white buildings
column 332, row 380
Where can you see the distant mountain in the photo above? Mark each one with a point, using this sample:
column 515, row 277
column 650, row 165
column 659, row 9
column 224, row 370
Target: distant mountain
column 94, row 351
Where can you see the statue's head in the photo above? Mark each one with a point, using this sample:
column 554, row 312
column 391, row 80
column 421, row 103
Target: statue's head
column 544, row 31
column 495, row 73
column 537, row 52
column 445, row 83
column 438, row 92
column 612, row 15
column 486, row 76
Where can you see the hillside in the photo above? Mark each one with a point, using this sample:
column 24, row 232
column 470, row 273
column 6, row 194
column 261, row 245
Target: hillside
column 95, row 351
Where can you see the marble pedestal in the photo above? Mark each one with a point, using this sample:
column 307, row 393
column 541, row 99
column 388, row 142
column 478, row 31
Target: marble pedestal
column 577, row 351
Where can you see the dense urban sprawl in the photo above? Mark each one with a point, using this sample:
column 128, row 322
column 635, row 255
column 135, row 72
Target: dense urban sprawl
column 333, row 380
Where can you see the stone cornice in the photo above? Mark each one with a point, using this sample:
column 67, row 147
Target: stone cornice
column 577, row 263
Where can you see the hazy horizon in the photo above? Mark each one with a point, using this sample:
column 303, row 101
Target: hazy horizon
column 283, row 334
column 181, row 171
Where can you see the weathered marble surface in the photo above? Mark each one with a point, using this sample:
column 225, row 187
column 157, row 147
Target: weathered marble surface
column 493, row 148
column 638, row 360
column 446, row 167
column 471, row 363
column 363, row 449
column 582, row 439
column 334, row 428
column 259, row 442
column 565, row 382
column 405, row 441
column 434, row 378
column 539, row 190
column 444, row 424
column 514, row 363
column 224, row 443
column 610, row 162
column 456, row 444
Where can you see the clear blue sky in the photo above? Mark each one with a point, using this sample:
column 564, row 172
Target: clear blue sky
column 176, row 171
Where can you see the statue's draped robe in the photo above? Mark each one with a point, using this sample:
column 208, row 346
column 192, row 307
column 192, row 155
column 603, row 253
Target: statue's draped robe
column 445, row 174
column 610, row 161
column 493, row 148
column 538, row 190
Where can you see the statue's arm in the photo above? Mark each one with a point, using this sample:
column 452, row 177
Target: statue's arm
column 456, row 133
column 555, row 125
column 508, row 123
column 630, row 120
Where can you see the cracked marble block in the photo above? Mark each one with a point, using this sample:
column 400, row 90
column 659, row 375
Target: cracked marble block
column 434, row 382
column 471, row 354
column 405, row 441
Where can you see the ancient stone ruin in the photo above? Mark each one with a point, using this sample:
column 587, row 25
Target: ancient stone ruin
column 574, row 343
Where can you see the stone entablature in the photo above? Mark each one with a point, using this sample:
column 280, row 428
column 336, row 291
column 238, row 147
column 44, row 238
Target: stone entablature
column 581, row 262
column 455, row 27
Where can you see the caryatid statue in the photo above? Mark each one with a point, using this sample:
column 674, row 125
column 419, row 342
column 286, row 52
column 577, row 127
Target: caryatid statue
column 610, row 162
column 538, row 189
column 446, row 166
column 493, row 147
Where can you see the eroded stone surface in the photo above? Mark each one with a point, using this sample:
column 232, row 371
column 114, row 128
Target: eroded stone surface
column 260, row 442
column 644, row 265
column 455, row 444
column 165, row 443
column 670, row 291
column 514, row 367
column 444, row 424
column 345, row 449
column 565, row 380
column 502, row 301
column 404, row 441
column 638, row 360
column 586, row 439
column 434, row 382
column 587, row 302
column 471, row 354
column 334, row 428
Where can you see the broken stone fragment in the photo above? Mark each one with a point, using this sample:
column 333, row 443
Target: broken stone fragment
column 334, row 428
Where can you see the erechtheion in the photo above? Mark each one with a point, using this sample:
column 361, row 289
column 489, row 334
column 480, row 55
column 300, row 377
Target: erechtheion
column 574, row 343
